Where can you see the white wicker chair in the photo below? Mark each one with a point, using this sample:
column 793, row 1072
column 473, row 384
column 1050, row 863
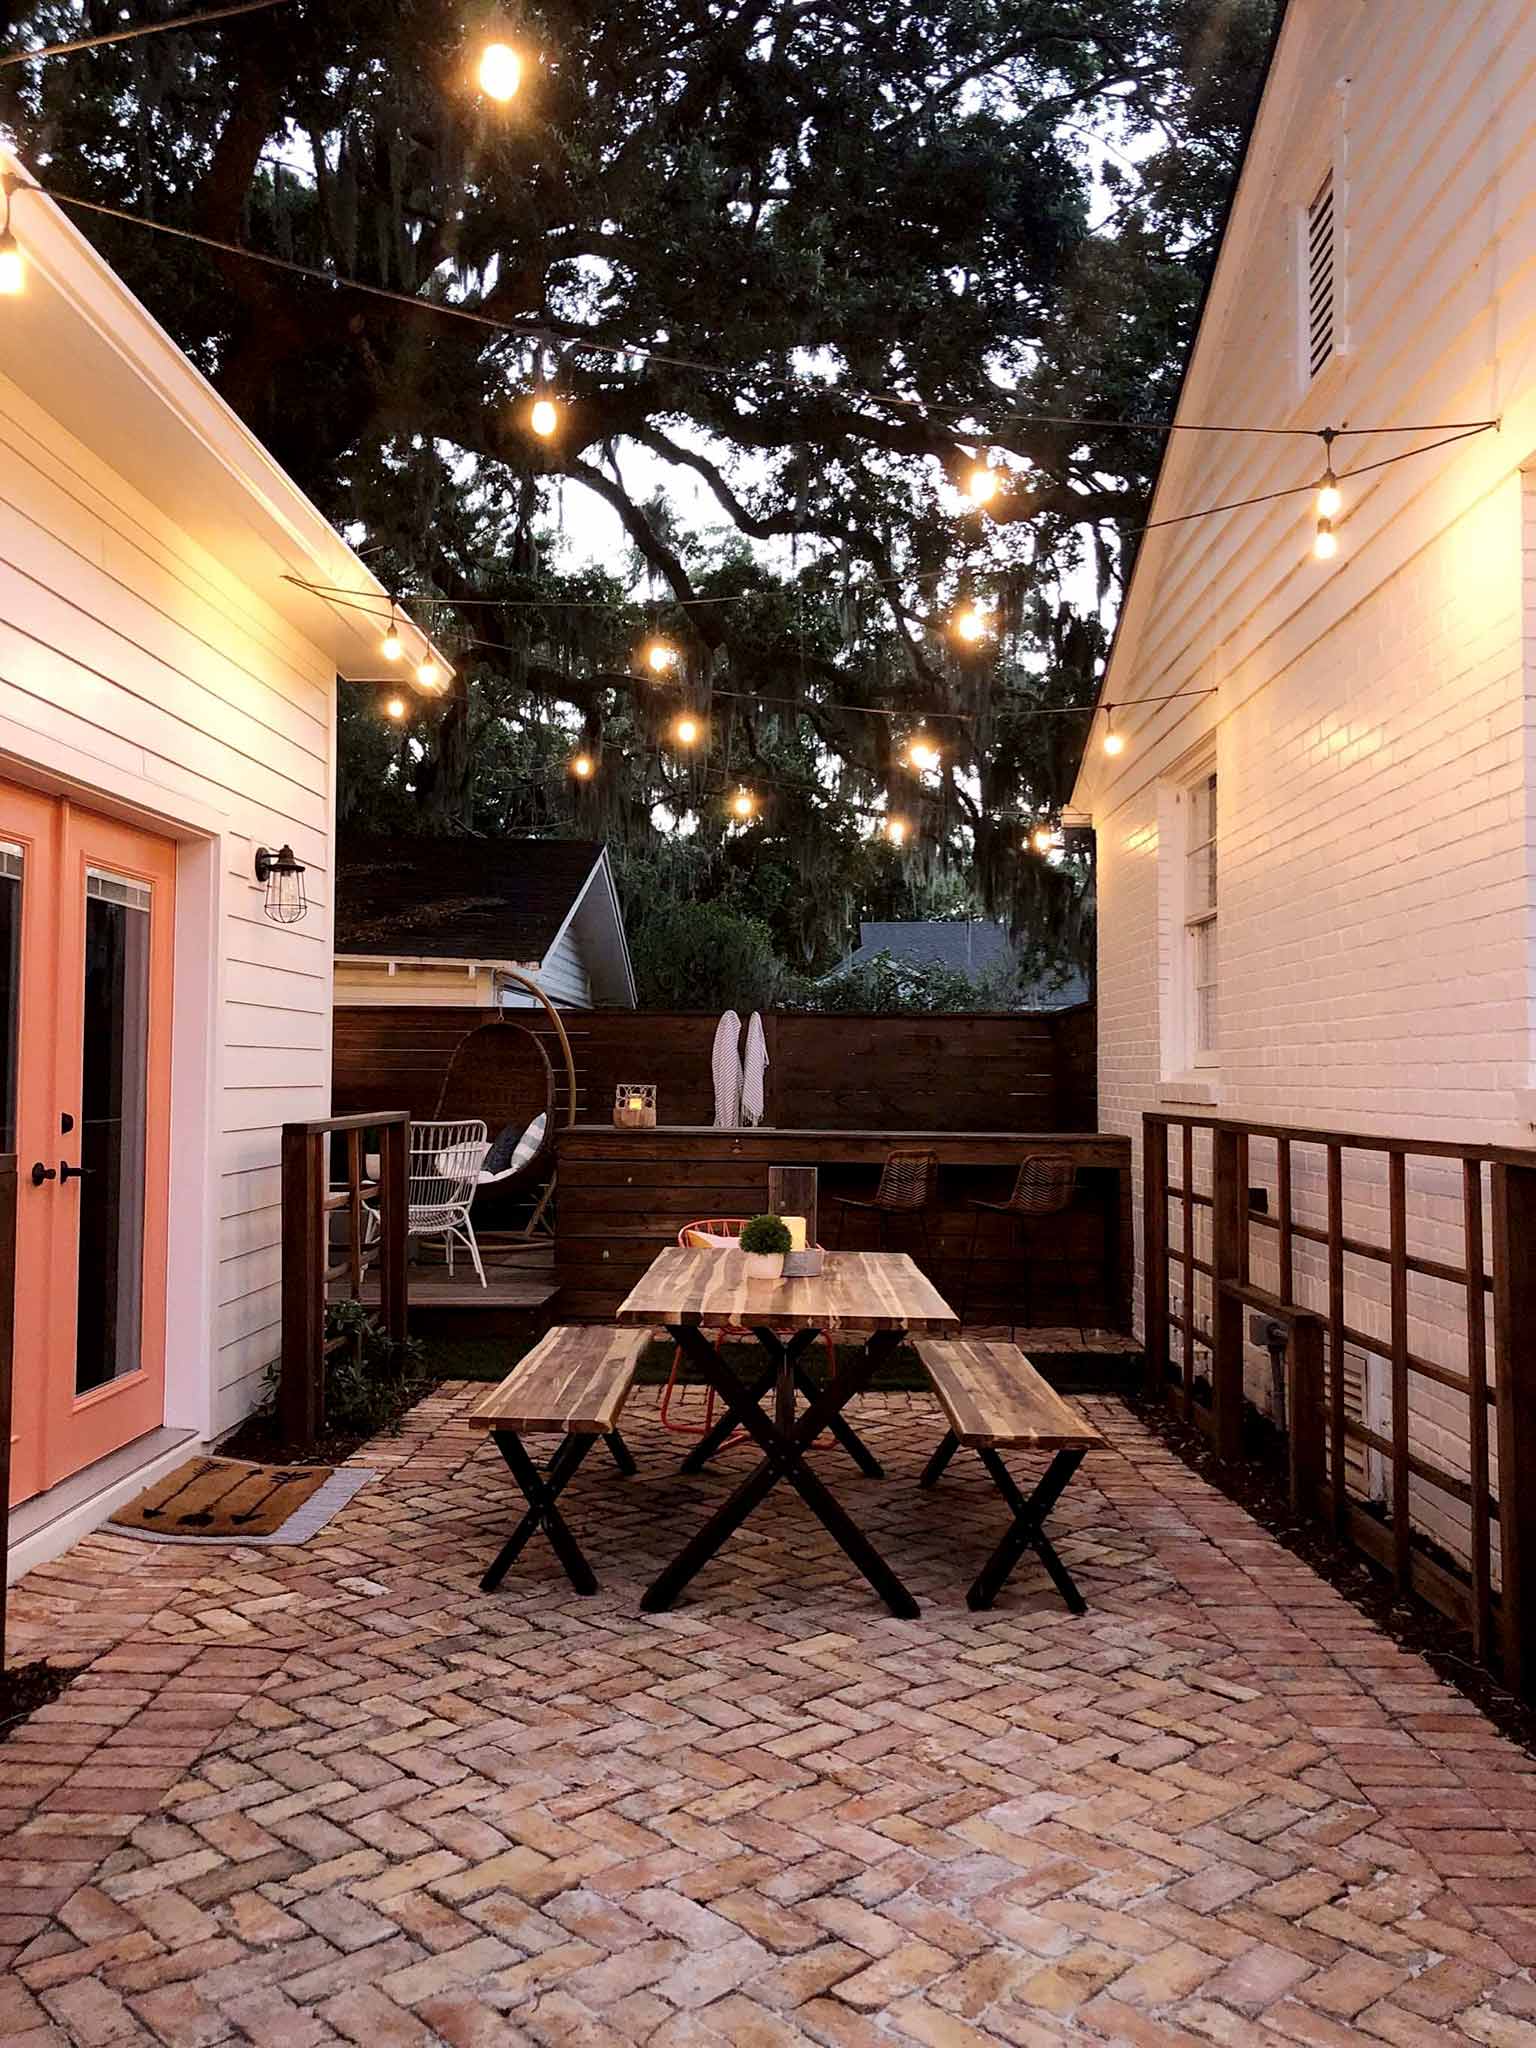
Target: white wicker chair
column 444, row 1167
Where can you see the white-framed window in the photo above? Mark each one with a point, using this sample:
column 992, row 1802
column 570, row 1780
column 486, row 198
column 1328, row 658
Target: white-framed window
column 1200, row 956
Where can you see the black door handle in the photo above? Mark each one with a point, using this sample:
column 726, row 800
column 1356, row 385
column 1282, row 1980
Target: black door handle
column 68, row 1172
column 40, row 1173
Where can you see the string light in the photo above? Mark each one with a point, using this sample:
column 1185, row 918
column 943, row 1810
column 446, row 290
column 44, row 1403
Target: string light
column 428, row 674
column 1047, row 839
column 686, row 731
column 395, row 708
column 743, row 803
column 973, row 625
column 896, row 830
column 582, row 766
column 1114, row 742
column 392, row 646
column 922, row 750
column 13, row 271
column 983, row 484
column 544, row 418
column 501, row 71
column 1325, row 543
column 660, row 657
column 1330, row 499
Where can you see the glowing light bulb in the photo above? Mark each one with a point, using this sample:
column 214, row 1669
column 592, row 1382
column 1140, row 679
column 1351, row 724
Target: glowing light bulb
column 983, row 484
column 660, row 656
column 973, row 624
column 1330, row 499
column 743, row 803
column 392, row 646
column 395, row 707
column 1326, row 544
column 922, row 751
column 582, row 766
column 428, row 674
column 896, row 831
column 1114, row 742
column 13, row 271
column 686, row 731
column 501, row 71
column 544, row 417
column 1047, row 838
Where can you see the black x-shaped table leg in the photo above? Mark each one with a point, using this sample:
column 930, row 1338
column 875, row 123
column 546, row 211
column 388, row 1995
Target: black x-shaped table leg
column 840, row 1426
column 541, row 1489
column 785, row 1440
column 1028, row 1528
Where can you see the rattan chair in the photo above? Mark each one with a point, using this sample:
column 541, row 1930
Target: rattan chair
column 500, row 1073
column 909, row 1187
column 1046, row 1185
column 689, row 1235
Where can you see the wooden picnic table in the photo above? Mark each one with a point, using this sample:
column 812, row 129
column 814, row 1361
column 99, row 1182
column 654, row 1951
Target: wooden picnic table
column 881, row 1296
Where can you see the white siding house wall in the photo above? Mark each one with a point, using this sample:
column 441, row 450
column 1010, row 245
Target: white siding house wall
column 137, row 673
column 1371, row 721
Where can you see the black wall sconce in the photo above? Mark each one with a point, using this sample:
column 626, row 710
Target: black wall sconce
column 281, row 874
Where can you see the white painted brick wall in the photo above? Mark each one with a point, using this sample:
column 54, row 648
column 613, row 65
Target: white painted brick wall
column 1375, row 749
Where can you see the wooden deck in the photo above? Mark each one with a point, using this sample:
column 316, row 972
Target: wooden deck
column 523, row 1281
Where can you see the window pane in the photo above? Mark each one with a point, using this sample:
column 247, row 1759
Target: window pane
column 10, row 988
column 112, row 1130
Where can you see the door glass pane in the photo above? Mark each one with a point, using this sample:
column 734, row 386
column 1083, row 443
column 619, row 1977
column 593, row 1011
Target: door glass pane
column 112, row 1129
column 10, row 988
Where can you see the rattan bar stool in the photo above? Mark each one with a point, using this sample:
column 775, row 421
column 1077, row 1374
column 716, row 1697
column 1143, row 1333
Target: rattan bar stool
column 909, row 1187
column 1046, row 1185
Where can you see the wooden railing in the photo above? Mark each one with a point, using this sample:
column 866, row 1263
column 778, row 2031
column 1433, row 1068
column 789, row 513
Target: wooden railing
column 1274, row 1197
column 7, row 1313
column 313, row 1195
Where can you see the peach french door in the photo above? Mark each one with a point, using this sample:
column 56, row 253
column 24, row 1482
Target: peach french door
column 86, row 929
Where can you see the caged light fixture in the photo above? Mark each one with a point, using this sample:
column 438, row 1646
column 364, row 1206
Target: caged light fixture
column 281, row 874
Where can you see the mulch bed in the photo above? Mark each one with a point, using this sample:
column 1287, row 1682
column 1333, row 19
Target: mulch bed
column 26, row 1687
column 261, row 1439
column 1259, row 1486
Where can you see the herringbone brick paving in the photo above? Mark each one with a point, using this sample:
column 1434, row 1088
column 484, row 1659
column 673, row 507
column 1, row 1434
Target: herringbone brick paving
column 336, row 1794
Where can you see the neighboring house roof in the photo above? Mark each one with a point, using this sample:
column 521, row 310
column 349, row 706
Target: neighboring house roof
column 977, row 947
column 491, row 900
column 86, row 352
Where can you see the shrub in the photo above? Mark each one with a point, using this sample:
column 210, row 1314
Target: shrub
column 703, row 956
column 765, row 1234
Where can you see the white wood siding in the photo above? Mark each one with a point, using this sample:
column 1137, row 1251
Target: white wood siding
column 564, row 975
column 132, row 663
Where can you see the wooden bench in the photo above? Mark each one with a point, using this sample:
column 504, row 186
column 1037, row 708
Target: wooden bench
column 995, row 1401
column 573, row 1382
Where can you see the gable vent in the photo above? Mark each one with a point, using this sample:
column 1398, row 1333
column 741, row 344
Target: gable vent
column 1321, row 296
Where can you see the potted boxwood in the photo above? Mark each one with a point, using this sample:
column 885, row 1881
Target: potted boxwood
column 764, row 1241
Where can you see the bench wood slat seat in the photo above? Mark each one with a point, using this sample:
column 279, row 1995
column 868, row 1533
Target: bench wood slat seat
column 573, row 1382
column 994, row 1400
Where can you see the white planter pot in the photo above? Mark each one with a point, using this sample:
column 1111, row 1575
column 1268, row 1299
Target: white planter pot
column 764, row 1265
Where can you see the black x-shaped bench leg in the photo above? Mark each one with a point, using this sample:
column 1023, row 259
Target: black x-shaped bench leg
column 839, row 1426
column 541, row 1489
column 1028, row 1528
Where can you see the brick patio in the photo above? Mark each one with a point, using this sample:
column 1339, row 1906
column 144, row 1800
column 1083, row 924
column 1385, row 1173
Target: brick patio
column 337, row 1794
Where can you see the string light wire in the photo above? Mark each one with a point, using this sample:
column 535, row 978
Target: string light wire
column 143, row 28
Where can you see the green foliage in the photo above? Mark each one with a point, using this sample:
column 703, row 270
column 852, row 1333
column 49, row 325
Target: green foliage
column 790, row 212
column 766, row 1234
column 703, row 956
column 369, row 1380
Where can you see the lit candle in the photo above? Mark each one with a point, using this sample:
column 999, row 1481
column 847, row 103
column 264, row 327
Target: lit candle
column 795, row 1225
column 637, row 1102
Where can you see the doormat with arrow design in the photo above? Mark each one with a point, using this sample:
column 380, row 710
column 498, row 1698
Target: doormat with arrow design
column 228, row 1497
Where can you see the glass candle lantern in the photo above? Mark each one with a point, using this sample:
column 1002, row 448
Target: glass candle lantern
column 634, row 1106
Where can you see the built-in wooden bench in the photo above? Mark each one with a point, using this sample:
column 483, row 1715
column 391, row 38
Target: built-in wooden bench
column 995, row 1401
column 573, row 1382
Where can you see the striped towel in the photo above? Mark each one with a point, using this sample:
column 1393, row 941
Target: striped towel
column 755, row 1071
column 725, row 1065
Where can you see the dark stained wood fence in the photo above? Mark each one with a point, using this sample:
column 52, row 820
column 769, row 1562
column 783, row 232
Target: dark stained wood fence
column 1366, row 1240
column 993, row 1072
column 624, row 1195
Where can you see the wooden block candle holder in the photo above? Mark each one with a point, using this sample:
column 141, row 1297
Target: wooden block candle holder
column 634, row 1106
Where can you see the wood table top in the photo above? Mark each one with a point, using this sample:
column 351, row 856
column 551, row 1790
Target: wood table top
column 857, row 1291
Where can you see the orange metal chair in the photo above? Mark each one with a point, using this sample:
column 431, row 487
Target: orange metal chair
column 688, row 1237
